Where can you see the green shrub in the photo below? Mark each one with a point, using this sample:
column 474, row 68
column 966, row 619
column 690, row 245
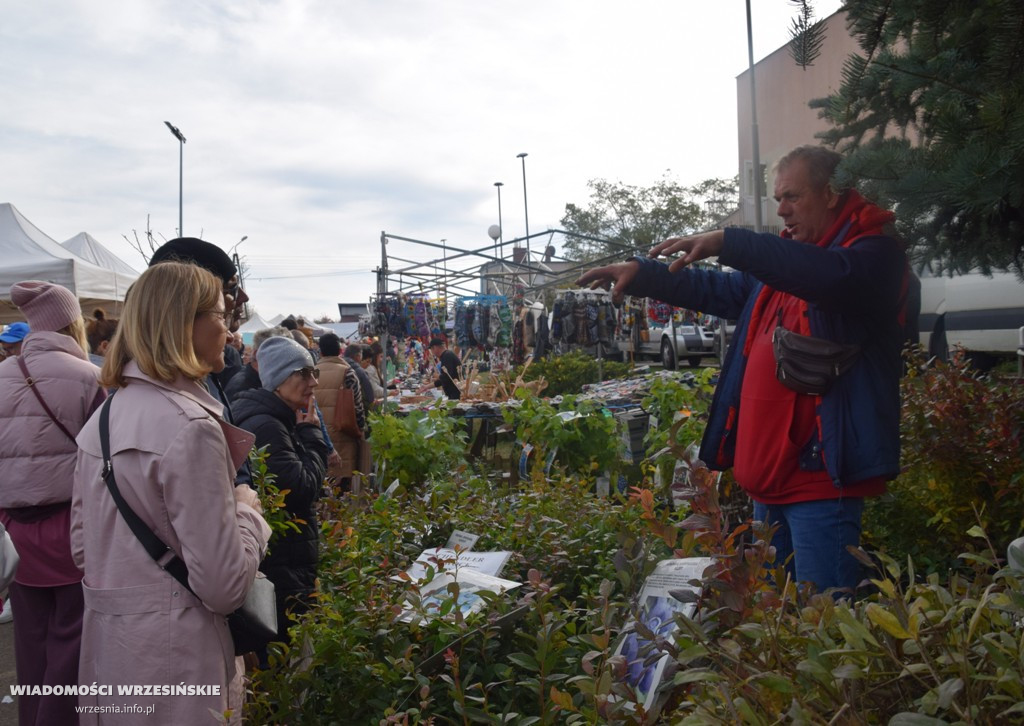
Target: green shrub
column 569, row 372
column 931, row 653
column 585, row 438
column 418, row 447
column 677, row 409
column 354, row 662
column 963, row 448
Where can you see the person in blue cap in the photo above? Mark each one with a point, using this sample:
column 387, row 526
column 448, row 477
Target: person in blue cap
column 12, row 337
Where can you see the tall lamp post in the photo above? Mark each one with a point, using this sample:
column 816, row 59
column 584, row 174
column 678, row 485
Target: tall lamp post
column 501, row 237
column 181, row 169
column 526, row 209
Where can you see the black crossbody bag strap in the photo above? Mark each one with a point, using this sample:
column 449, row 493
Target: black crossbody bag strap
column 42, row 402
column 164, row 556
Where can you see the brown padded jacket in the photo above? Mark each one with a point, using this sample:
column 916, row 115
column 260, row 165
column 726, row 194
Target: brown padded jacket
column 335, row 373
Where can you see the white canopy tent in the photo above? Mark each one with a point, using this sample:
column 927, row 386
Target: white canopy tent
column 89, row 249
column 30, row 254
column 252, row 325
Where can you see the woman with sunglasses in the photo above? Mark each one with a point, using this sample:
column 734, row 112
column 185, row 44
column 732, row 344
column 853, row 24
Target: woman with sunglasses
column 283, row 417
column 174, row 460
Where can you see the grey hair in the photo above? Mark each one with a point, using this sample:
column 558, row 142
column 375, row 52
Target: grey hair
column 821, row 164
column 260, row 336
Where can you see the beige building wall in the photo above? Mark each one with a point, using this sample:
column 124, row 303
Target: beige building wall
column 784, row 119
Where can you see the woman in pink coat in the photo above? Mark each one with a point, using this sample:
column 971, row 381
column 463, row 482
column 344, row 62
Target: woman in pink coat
column 37, row 464
column 174, row 459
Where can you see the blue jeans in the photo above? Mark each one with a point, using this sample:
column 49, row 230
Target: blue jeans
column 817, row 533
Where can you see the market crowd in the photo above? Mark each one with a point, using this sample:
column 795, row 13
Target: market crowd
column 152, row 416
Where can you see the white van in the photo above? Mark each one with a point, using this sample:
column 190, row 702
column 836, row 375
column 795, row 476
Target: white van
column 981, row 313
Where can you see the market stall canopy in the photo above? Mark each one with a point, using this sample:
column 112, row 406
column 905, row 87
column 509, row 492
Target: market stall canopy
column 345, row 331
column 30, row 254
column 89, row 249
column 251, row 326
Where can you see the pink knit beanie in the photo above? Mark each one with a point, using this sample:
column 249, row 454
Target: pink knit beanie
column 46, row 306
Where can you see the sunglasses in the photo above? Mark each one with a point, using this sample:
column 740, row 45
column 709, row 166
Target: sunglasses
column 312, row 374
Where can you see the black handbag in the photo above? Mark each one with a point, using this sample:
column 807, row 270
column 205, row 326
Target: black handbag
column 810, row 365
column 255, row 623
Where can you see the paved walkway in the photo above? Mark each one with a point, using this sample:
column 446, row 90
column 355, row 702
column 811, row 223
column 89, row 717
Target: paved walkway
column 8, row 711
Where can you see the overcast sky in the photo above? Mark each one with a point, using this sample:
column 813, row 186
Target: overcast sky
column 313, row 125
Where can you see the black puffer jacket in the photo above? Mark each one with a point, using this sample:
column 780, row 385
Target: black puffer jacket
column 246, row 379
column 298, row 457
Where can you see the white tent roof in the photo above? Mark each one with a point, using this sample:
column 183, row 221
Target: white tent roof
column 30, row 254
column 254, row 323
column 344, row 331
column 89, row 249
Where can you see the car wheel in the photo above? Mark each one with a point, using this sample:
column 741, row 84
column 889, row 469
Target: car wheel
column 668, row 356
column 694, row 361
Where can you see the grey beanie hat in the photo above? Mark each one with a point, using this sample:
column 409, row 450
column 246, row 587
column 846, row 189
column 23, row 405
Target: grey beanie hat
column 278, row 358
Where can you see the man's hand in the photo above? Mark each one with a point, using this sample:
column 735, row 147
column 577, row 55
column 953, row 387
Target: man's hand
column 621, row 274
column 334, row 458
column 693, row 248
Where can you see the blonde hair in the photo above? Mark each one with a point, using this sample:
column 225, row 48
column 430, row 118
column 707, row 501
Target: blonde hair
column 76, row 331
column 156, row 325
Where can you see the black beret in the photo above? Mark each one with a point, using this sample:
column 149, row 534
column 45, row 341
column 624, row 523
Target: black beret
column 192, row 250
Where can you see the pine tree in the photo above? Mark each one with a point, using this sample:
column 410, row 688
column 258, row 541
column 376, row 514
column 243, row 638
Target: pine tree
column 931, row 117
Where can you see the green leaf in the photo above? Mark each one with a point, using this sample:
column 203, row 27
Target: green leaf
column 947, row 691
column 915, row 719
column 524, row 660
column 774, row 682
column 887, row 621
column 696, row 675
column 847, row 671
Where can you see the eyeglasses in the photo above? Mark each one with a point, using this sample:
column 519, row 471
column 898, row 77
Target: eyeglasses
column 312, row 374
column 225, row 315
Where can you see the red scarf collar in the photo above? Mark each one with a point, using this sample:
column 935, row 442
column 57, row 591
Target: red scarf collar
column 864, row 217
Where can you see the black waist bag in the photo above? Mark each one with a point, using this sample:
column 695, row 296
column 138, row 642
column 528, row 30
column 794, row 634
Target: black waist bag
column 810, row 365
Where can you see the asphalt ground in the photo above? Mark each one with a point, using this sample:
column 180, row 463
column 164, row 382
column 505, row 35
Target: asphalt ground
column 8, row 677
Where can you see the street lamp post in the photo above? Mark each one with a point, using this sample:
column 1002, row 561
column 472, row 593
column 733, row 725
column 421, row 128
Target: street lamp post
column 501, row 235
column 181, row 172
column 236, row 245
column 526, row 209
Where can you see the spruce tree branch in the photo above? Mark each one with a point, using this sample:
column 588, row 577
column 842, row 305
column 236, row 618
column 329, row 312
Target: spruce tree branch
column 934, row 79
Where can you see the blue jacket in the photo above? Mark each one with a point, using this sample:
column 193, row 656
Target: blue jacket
column 853, row 295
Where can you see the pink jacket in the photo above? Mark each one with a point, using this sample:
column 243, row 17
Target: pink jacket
column 37, row 461
column 175, row 461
